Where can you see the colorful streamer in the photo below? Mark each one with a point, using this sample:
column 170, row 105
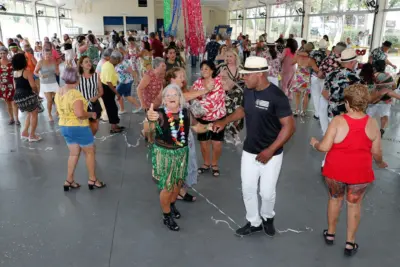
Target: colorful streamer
column 167, row 13
column 172, row 28
column 194, row 34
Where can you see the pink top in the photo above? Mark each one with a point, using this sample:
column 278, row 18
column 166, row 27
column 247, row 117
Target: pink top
column 214, row 101
column 152, row 90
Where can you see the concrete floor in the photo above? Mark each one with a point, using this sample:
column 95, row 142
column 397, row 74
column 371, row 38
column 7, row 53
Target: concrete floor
column 40, row 225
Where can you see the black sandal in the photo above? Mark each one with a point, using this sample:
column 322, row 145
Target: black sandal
column 351, row 251
column 187, row 197
column 71, row 185
column 95, row 186
column 326, row 235
column 215, row 172
column 117, row 130
column 202, row 170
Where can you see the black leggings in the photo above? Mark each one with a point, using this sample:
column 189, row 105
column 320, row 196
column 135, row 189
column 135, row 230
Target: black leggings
column 110, row 104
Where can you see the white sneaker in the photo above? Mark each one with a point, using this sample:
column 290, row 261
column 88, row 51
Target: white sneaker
column 121, row 112
column 32, row 140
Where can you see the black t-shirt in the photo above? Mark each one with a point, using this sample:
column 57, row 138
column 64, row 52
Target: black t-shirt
column 263, row 109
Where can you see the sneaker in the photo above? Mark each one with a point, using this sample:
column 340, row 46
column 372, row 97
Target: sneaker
column 136, row 110
column 296, row 113
column 121, row 112
column 248, row 229
column 175, row 212
column 269, row 227
column 316, row 117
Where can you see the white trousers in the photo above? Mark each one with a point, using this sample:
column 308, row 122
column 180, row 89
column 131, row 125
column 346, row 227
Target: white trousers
column 251, row 172
column 274, row 80
column 317, row 85
column 323, row 114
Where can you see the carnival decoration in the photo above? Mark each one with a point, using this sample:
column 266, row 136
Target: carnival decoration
column 193, row 24
column 171, row 24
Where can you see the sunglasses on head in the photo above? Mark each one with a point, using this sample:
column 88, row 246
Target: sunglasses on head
column 361, row 52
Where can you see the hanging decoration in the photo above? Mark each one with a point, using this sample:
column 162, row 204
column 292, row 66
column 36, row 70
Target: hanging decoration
column 84, row 6
column 172, row 28
column 193, row 23
column 167, row 13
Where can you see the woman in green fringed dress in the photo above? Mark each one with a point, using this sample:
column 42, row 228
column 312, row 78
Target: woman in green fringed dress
column 170, row 149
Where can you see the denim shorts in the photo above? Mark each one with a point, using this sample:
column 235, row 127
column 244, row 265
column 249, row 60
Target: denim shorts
column 124, row 89
column 77, row 135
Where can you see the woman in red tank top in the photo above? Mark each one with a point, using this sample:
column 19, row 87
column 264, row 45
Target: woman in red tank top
column 352, row 140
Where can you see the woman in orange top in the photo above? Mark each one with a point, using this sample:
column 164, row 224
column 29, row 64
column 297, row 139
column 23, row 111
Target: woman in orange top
column 31, row 64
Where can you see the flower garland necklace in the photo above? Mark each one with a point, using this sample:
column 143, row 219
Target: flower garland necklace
column 181, row 127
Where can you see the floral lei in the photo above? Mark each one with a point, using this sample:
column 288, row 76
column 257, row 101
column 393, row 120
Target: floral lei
column 181, row 127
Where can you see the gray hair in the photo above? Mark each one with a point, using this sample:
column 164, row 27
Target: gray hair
column 116, row 55
column 107, row 52
column 182, row 100
column 157, row 61
column 3, row 49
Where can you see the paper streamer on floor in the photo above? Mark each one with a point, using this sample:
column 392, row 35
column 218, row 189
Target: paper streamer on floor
column 307, row 229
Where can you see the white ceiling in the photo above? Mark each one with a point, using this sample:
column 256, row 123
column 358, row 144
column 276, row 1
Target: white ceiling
column 221, row 4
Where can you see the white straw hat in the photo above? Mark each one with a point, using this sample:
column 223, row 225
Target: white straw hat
column 323, row 44
column 348, row 55
column 254, row 65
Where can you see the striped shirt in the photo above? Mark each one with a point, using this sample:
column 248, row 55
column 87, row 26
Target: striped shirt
column 88, row 86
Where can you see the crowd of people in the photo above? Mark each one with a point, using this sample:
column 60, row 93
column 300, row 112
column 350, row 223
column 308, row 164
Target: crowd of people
column 239, row 85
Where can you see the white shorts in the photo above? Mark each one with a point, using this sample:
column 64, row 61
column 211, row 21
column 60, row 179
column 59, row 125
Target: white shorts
column 379, row 109
column 49, row 87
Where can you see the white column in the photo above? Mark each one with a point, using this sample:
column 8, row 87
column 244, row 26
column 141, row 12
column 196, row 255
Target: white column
column 58, row 22
column 125, row 32
column 379, row 25
column 306, row 18
column 35, row 22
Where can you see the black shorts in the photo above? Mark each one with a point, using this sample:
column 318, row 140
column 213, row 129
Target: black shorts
column 210, row 135
column 95, row 107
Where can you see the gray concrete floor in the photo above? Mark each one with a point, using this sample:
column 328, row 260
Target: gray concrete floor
column 40, row 225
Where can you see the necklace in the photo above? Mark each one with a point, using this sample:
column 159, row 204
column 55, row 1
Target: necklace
column 174, row 131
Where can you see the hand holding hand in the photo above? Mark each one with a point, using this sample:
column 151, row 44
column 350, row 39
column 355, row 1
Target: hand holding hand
column 218, row 126
column 151, row 114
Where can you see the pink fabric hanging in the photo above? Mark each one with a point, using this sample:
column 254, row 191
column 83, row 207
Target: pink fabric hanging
column 193, row 23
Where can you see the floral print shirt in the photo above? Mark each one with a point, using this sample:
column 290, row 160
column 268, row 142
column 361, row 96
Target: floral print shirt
column 330, row 64
column 233, row 100
column 318, row 56
column 124, row 76
column 214, row 101
column 335, row 83
column 274, row 65
column 378, row 54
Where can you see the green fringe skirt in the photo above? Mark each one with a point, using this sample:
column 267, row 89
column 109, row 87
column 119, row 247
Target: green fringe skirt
column 169, row 166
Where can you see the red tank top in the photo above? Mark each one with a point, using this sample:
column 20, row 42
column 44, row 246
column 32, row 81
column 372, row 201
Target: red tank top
column 350, row 161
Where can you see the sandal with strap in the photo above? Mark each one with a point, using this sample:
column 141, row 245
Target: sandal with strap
column 187, row 197
column 215, row 172
column 71, row 185
column 326, row 235
column 95, row 186
column 11, row 122
column 351, row 251
column 202, row 170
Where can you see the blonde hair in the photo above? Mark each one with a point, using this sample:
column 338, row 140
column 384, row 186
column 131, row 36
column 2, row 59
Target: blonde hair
column 357, row 96
column 235, row 54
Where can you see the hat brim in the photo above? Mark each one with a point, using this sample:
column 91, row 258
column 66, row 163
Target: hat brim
column 252, row 71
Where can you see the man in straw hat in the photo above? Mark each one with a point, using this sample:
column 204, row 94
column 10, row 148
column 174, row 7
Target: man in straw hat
column 270, row 125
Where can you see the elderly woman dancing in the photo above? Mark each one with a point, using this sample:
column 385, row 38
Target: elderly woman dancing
column 74, row 126
column 352, row 140
column 170, row 150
